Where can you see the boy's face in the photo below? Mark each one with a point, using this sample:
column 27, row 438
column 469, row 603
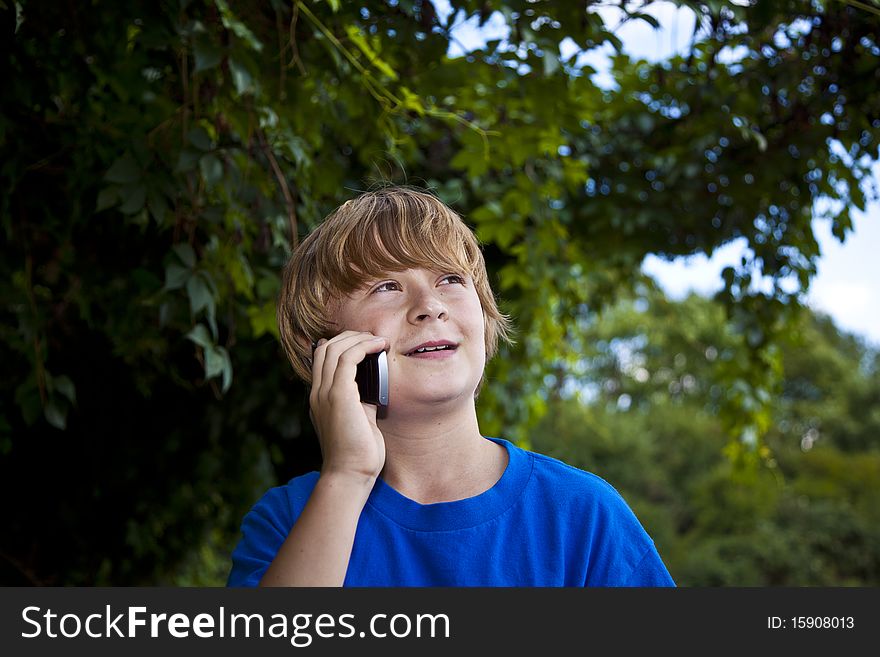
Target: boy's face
column 414, row 307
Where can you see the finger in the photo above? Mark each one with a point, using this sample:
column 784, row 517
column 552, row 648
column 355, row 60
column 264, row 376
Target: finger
column 340, row 365
column 317, row 367
column 348, row 353
column 319, row 357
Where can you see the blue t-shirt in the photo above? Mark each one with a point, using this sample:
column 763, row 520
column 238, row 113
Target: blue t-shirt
column 544, row 523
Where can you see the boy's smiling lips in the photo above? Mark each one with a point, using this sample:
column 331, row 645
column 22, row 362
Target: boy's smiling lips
column 450, row 348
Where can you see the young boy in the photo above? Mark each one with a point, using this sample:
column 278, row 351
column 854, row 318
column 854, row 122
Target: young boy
column 417, row 496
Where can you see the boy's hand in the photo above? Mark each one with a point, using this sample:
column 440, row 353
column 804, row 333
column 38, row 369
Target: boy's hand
column 351, row 443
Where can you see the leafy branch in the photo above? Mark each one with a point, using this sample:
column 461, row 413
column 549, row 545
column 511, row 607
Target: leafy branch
column 383, row 95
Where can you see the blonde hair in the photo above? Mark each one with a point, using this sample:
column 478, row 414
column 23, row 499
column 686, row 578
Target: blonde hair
column 389, row 229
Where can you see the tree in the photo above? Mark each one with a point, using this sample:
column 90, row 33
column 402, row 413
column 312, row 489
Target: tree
column 161, row 160
column 642, row 413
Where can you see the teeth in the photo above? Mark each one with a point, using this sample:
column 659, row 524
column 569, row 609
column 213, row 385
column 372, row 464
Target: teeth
column 426, row 349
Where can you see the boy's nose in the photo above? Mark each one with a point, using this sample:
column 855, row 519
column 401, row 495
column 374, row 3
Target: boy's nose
column 428, row 305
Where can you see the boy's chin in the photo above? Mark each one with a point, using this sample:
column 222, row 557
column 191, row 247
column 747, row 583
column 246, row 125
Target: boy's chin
column 416, row 396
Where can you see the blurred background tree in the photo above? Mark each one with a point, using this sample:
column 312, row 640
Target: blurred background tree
column 799, row 509
column 161, row 160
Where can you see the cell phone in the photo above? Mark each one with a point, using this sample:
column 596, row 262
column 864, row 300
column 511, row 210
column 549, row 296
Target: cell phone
column 372, row 378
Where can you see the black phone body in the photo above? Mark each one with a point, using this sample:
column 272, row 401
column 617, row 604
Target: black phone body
column 372, row 378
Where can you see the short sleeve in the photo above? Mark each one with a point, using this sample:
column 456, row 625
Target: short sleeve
column 265, row 528
column 650, row 571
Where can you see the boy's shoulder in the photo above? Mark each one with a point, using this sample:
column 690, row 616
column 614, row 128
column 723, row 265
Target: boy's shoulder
column 553, row 468
column 564, row 480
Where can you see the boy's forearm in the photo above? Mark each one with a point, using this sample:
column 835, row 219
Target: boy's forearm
column 318, row 548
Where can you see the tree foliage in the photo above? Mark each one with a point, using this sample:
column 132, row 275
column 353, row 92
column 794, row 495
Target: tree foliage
column 800, row 510
column 161, row 159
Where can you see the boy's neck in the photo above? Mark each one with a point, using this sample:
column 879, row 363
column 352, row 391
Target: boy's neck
column 442, row 460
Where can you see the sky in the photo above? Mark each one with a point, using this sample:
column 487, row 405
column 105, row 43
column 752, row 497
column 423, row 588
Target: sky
column 847, row 283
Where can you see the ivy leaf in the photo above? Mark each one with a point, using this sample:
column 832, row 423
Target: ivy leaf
column 207, row 55
column 263, row 319
column 65, row 386
column 186, row 253
column 123, row 171
column 241, row 78
column 55, row 415
column 199, row 138
column 187, row 160
column 650, row 20
column 199, row 293
column 157, row 205
column 357, row 38
column 107, row 198
column 176, row 277
column 134, row 197
column 729, row 275
column 217, row 363
column 473, row 161
column 212, row 170
column 232, row 23
column 199, row 334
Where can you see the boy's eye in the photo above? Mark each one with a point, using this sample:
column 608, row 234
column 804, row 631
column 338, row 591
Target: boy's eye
column 387, row 285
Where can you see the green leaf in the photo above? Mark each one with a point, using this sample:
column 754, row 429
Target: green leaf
column 297, row 146
column 199, row 138
column 107, row 198
column 157, row 205
column 232, row 23
column 650, row 20
column 55, row 416
column 241, row 78
column 357, row 38
column 65, row 386
column 207, row 55
column 242, row 276
column 176, row 276
column 199, row 334
column 27, row 398
column 412, row 102
column 263, row 319
column 199, row 293
column 473, row 161
column 124, row 170
column 134, row 197
column 728, row 274
column 186, row 253
column 217, row 363
column 212, row 321
column 212, row 170
column 213, row 362
column 760, row 139
column 187, row 160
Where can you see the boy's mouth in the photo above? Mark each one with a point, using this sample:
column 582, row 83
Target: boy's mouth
column 432, row 347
